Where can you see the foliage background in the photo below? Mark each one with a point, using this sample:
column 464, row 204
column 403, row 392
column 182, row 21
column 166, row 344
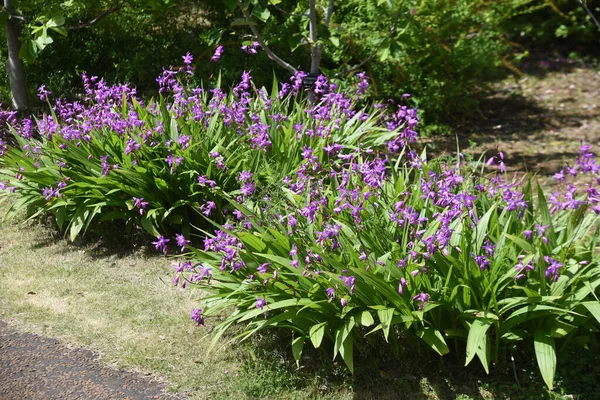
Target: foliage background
column 441, row 52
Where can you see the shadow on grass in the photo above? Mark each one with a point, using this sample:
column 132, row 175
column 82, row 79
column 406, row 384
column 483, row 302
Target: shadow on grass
column 102, row 240
column 380, row 374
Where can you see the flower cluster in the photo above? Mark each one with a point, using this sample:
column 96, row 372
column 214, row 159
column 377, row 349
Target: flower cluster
column 177, row 155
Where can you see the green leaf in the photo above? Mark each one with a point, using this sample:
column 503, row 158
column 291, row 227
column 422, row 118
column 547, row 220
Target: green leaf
column 477, row 342
column 434, row 339
column 78, row 221
column 347, row 353
column 295, row 41
column 297, row 346
column 28, row 51
column 148, row 226
column 61, row 214
column 341, row 334
column 316, row 334
column 42, row 41
column 482, row 227
column 251, row 240
column 594, row 308
column 385, row 316
column 364, row 318
column 262, row 14
column 384, row 54
column 241, row 22
column 522, row 243
column 254, row 312
column 560, row 329
column 231, row 4
column 545, row 354
column 56, row 20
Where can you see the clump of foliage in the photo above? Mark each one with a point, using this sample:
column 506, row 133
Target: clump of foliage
column 561, row 24
column 379, row 240
column 442, row 52
column 122, row 41
column 164, row 165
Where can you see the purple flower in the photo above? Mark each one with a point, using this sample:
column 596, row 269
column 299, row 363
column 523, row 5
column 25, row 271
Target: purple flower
column 187, row 58
column 560, row 176
column 330, row 293
column 50, row 192
column 43, row 93
column 422, row 298
column 161, row 244
column 403, row 283
column 363, row 83
column 187, row 61
column 553, row 270
column 181, row 241
column 245, row 176
column 527, row 234
column 197, row 316
column 522, row 269
column 141, row 204
column 343, row 302
column 263, row 268
column 218, row 53
column 489, row 248
column 348, row 282
column 482, row 262
column 203, row 181
column 207, row 208
column 250, row 49
column 541, row 229
column 184, row 141
column 173, row 161
column 261, row 303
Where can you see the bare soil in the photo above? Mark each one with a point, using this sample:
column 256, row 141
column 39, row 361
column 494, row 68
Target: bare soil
column 33, row 367
column 538, row 121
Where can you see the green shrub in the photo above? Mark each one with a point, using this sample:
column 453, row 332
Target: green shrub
column 370, row 242
column 166, row 164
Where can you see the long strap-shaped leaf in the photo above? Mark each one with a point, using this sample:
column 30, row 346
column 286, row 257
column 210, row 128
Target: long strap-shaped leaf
column 545, row 354
column 478, row 343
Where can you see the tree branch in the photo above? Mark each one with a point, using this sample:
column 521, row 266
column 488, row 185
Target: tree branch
column 287, row 12
column 363, row 62
column 82, row 25
column 590, row 13
column 329, row 13
column 94, row 20
column 315, row 51
column 261, row 42
column 11, row 14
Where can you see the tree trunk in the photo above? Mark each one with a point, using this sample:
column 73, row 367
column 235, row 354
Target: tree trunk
column 315, row 50
column 14, row 64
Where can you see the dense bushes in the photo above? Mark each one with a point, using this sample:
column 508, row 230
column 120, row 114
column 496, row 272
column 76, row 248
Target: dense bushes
column 328, row 224
column 562, row 24
column 441, row 52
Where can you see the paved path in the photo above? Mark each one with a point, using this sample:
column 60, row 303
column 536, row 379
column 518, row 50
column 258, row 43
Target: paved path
column 33, row 367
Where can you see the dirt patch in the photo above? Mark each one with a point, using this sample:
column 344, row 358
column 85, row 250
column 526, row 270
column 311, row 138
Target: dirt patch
column 538, row 121
column 34, row 367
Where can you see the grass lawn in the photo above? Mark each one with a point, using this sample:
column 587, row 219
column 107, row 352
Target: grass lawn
column 122, row 304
